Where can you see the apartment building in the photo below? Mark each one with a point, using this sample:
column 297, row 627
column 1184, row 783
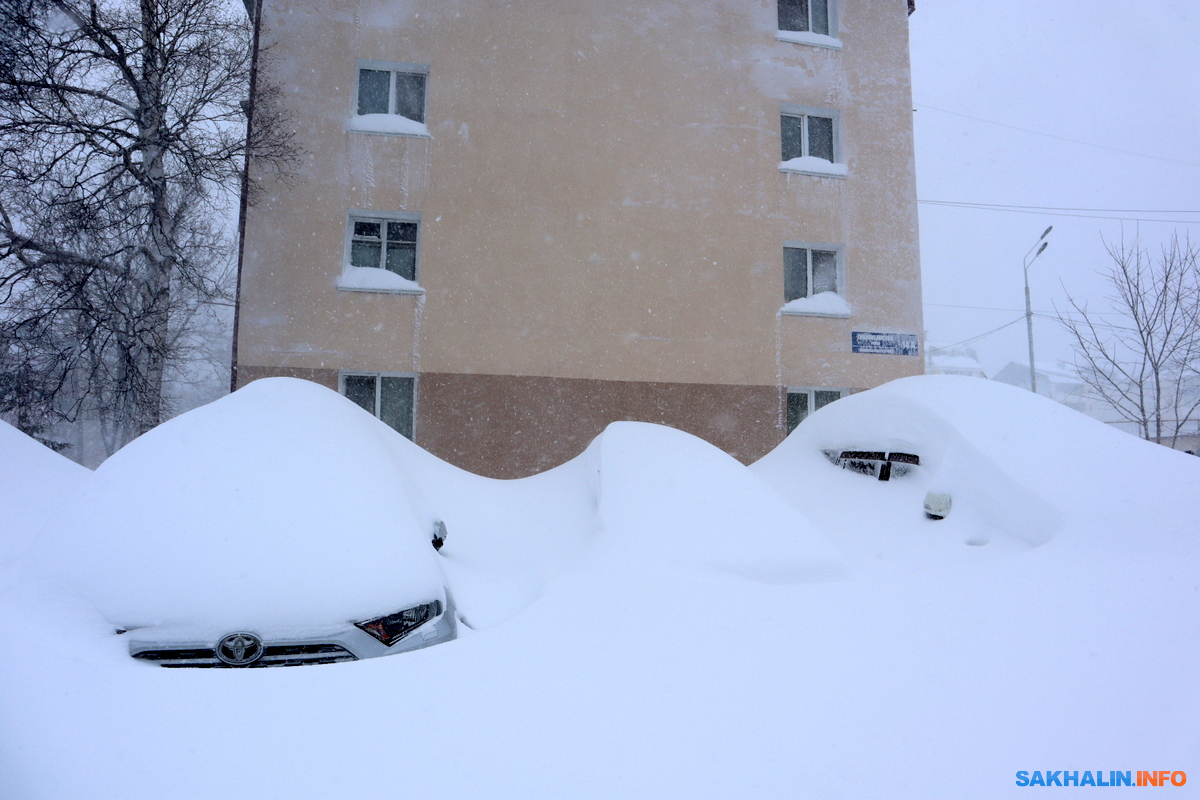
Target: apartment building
column 518, row 221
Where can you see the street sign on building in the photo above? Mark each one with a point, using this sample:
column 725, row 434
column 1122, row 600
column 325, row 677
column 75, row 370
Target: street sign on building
column 884, row 344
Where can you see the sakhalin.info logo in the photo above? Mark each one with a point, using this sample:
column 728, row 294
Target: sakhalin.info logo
column 1163, row 777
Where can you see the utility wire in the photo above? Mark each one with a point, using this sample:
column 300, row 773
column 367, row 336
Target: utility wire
column 973, row 308
column 985, row 207
column 943, row 347
column 980, row 336
column 1012, row 310
column 1092, row 323
column 1065, row 208
column 1060, row 138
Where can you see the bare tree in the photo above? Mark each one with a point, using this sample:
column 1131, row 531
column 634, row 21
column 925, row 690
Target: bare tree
column 122, row 140
column 1145, row 363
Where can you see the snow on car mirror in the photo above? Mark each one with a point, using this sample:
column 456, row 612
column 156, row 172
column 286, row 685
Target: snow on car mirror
column 937, row 506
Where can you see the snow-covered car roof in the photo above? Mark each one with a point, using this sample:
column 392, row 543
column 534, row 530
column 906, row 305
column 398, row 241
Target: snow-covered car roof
column 280, row 505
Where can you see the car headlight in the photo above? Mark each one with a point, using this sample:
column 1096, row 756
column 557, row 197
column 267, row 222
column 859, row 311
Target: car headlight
column 394, row 627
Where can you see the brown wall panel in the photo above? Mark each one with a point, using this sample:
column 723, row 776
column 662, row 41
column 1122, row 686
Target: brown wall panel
column 513, row 426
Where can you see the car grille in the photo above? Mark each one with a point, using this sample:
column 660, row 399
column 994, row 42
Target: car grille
column 277, row 655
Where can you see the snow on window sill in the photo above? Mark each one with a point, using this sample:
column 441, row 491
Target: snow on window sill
column 825, row 304
column 374, row 279
column 392, row 124
column 812, row 165
column 809, row 38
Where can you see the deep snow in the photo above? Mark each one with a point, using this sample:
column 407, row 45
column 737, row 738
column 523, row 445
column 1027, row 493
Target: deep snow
column 34, row 480
column 652, row 619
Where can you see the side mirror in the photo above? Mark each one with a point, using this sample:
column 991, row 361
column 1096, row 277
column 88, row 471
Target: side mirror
column 937, row 505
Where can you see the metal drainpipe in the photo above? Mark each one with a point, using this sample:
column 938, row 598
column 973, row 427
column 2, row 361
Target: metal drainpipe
column 254, row 9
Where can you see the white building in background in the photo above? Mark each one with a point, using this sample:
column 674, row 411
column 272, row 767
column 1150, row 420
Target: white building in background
column 941, row 360
column 1058, row 381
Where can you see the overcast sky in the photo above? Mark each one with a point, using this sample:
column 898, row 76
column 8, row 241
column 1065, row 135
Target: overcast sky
column 1121, row 76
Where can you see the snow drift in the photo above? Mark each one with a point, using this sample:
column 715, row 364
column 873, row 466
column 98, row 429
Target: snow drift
column 651, row 619
column 668, row 496
column 280, row 503
column 34, row 482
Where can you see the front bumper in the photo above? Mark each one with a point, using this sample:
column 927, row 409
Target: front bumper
column 330, row 646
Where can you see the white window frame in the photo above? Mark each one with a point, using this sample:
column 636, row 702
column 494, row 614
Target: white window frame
column 839, row 275
column 366, row 215
column 812, row 401
column 810, row 37
column 392, row 67
column 804, row 112
column 348, row 373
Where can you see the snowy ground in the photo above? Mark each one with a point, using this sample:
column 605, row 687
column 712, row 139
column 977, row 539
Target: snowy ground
column 650, row 619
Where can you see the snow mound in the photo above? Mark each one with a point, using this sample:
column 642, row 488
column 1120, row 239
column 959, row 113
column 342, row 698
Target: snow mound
column 374, row 279
column 822, row 304
column 505, row 538
column 34, row 482
column 814, row 165
column 668, row 496
column 1015, row 465
column 387, row 123
column 279, row 504
column 647, row 667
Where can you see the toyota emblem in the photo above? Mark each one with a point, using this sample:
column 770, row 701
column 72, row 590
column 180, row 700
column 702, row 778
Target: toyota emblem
column 240, row 649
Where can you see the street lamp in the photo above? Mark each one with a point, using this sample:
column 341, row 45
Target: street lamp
column 1028, row 307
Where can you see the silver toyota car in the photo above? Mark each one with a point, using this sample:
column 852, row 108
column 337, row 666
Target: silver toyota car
column 277, row 526
column 412, row 628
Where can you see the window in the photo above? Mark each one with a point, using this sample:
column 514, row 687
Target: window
column 802, row 402
column 385, row 243
column 804, row 15
column 386, row 88
column 810, row 141
column 806, row 134
column 876, row 463
column 808, row 271
column 392, row 398
column 390, row 99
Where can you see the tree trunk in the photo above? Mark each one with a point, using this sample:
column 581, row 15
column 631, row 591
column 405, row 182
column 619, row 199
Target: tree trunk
column 155, row 287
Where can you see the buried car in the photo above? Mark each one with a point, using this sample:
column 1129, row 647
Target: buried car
column 413, row 628
column 189, row 645
column 273, row 527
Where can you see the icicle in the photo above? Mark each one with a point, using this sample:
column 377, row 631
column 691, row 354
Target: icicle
column 780, row 392
column 416, row 343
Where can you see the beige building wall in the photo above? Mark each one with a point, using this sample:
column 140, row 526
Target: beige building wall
column 599, row 200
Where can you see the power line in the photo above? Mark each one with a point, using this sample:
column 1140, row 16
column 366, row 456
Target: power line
column 992, row 308
column 943, row 347
column 1020, row 210
column 980, row 336
column 1060, row 138
column 1065, row 208
column 973, row 308
column 1090, row 322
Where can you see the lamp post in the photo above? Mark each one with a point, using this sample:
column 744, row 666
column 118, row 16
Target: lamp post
column 1028, row 307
